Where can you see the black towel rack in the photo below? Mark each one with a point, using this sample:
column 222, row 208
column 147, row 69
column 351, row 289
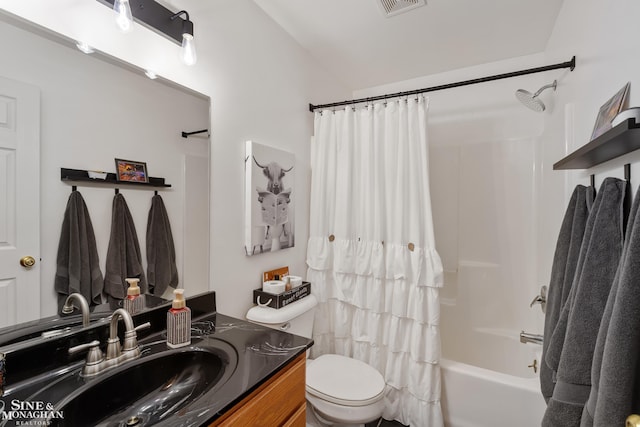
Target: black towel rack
column 81, row 177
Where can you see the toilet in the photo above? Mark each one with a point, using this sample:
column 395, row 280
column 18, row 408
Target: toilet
column 341, row 390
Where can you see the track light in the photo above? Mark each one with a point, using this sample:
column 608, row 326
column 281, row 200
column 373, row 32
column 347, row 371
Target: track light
column 158, row 18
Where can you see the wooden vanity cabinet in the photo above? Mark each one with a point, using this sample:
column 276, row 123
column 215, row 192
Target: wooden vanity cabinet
column 278, row 402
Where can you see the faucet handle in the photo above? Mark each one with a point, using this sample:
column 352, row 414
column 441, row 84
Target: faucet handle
column 95, row 344
column 143, row 326
column 94, row 357
column 541, row 299
column 130, row 343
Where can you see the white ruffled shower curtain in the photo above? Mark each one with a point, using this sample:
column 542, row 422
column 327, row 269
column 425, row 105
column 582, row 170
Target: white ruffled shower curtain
column 371, row 253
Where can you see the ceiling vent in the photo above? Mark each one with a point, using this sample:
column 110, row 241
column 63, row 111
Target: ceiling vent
column 391, row 8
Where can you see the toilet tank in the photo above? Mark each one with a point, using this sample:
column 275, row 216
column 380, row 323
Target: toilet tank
column 295, row 318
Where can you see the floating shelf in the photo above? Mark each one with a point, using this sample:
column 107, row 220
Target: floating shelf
column 622, row 139
column 82, row 176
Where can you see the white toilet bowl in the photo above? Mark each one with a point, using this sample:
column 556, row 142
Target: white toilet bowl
column 343, row 390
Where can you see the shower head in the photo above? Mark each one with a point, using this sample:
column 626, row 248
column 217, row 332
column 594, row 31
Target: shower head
column 531, row 100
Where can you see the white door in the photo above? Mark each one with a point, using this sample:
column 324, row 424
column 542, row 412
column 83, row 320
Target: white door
column 19, row 202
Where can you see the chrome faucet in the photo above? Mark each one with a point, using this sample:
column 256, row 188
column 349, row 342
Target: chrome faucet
column 98, row 362
column 68, row 307
column 526, row 337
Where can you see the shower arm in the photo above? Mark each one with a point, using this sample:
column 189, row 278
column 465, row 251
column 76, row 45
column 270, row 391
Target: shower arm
column 543, row 88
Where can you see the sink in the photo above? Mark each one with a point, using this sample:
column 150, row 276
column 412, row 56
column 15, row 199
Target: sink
column 146, row 391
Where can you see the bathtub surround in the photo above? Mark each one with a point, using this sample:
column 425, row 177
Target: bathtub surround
column 570, row 351
column 123, row 255
column 371, row 253
column 614, row 374
column 565, row 261
column 78, row 264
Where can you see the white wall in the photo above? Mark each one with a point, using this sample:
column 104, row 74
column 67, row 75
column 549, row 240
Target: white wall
column 260, row 82
column 604, row 37
column 92, row 112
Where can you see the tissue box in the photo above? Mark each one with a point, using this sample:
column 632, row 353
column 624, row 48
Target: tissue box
column 280, row 300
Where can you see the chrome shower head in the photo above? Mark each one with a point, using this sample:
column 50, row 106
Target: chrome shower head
column 531, row 100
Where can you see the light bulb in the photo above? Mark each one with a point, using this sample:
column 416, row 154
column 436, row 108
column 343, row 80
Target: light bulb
column 124, row 18
column 189, row 56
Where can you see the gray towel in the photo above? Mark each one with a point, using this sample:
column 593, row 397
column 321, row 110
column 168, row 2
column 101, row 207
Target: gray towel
column 123, row 256
column 615, row 374
column 574, row 338
column 565, row 260
column 78, row 266
column 161, row 253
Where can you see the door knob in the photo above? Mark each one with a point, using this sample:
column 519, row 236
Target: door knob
column 633, row 421
column 27, row 261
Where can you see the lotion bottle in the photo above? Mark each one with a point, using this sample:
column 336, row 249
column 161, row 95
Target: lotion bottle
column 133, row 303
column 178, row 321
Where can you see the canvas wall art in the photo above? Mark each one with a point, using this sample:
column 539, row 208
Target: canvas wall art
column 269, row 196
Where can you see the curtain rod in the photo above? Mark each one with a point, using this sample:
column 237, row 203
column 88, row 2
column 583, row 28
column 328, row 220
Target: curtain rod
column 569, row 64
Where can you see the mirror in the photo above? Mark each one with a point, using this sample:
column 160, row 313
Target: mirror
column 93, row 109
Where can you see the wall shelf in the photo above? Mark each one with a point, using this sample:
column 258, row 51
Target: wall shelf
column 622, row 139
column 80, row 176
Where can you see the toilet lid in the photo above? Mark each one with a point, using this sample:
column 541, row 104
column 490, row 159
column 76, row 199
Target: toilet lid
column 344, row 381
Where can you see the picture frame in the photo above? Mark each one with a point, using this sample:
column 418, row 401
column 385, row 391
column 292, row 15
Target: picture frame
column 609, row 110
column 131, row 171
column 270, row 196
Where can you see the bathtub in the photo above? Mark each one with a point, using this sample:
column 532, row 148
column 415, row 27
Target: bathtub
column 477, row 397
column 505, row 392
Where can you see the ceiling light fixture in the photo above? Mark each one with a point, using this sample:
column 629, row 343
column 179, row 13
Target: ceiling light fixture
column 159, row 19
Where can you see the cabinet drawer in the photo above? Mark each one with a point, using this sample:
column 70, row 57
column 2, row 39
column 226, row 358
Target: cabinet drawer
column 299, row 419
column 276, row 403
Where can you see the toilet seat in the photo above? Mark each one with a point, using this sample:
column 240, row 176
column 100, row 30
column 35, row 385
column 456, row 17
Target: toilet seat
column 344, row 381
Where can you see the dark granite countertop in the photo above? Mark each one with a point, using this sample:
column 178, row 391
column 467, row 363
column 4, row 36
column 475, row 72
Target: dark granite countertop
column 251, row 355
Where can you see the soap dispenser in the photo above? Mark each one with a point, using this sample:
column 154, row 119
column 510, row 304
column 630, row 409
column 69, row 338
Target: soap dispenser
column 178, row 321
column 134, row 302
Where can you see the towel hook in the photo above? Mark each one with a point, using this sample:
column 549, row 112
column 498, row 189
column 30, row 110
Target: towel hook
column 74, row 188
column 592, row 180
column 155, row 192
column 627, row 172
column 117, row 191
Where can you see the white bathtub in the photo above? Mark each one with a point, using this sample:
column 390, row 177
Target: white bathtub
column 486, row 377
column 477, row 397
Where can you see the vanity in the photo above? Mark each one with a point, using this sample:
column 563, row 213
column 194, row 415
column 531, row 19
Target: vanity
column 233, row 373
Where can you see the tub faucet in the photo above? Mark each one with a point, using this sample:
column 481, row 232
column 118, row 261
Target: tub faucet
column 68, row 307
column 526, row 337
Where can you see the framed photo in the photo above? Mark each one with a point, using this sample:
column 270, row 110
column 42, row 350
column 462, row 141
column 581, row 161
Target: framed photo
column 608, row 111
column 269, row 199
column 131, row 171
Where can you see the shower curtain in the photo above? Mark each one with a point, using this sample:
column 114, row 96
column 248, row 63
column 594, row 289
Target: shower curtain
column 371, row 253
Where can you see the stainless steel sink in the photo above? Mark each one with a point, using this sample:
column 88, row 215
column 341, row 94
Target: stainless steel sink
column 144, row 392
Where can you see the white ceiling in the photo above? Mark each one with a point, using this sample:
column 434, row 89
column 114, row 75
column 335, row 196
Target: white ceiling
column 363, row 48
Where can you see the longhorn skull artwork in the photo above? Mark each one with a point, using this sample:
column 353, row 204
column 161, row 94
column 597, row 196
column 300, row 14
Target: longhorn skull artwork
column 269, row 194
